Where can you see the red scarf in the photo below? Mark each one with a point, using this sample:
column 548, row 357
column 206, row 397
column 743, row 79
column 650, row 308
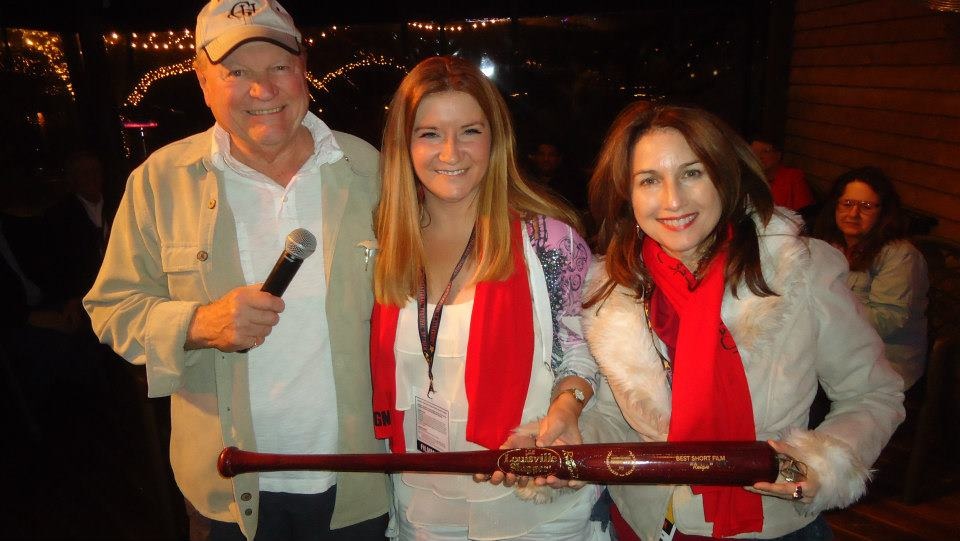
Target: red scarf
column 711, row 399
column 499, row 350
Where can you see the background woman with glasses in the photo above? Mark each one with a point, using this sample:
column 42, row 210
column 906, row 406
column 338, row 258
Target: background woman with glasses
column 862, row 218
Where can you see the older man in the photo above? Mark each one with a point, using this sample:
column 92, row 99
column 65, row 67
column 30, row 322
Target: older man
column 200, row 226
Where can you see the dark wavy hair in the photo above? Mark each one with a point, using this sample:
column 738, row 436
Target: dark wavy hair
column 890, row 224
column 732, row 167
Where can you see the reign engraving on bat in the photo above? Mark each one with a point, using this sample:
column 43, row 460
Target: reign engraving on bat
column 621, row 465
column 531, row 462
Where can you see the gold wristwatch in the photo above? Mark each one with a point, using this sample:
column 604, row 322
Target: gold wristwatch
column 577, row 395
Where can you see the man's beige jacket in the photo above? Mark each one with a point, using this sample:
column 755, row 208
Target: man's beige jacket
column 172, row 248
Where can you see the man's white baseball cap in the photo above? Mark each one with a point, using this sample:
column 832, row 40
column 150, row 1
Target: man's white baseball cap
column 222, row 26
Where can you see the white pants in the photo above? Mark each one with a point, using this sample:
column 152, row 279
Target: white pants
column 575, row 525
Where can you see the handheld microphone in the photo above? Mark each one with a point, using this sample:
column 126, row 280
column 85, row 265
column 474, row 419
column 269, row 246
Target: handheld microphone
column 300, row 245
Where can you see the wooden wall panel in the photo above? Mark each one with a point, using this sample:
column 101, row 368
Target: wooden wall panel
column 905, row 101
column 940, row 153
column 935, row 127
column 809, row 5
column 942, row 78
column 892, row 31
column 874, row 10
column 927, row 52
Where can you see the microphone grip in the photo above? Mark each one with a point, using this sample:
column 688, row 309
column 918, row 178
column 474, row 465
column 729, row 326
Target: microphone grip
column 279, row 278
column 283, row 271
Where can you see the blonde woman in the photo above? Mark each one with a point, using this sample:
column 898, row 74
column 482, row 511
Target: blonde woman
column 476, row 325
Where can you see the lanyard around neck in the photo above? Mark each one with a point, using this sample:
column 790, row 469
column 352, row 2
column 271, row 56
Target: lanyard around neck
column 428, row 340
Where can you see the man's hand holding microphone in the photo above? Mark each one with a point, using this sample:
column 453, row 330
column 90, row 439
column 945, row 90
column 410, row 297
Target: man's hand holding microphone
column 244, row 317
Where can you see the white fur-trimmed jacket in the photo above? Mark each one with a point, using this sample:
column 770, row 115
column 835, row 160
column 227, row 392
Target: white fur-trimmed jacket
column 811, row 331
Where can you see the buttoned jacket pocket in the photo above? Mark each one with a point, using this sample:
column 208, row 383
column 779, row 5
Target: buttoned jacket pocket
column 181, row 263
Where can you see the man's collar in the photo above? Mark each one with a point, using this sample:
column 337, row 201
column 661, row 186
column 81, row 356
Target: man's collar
column 326, row 150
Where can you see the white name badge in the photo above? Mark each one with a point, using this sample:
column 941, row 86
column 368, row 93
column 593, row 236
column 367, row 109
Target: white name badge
column 433, row 424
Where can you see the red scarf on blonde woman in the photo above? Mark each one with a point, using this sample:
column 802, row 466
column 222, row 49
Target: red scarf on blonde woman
column 498, row 364
column 710, row 396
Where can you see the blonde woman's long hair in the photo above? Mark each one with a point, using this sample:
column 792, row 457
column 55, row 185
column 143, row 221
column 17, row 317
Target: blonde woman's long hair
column 503, row 191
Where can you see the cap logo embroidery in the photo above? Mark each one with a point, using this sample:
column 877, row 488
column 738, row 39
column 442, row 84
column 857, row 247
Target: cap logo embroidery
column 243, row 10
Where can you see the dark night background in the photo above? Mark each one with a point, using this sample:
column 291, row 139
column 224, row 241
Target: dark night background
column 88, row 449
column 565, row 69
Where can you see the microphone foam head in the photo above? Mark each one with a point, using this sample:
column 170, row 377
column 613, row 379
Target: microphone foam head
column 301, row 243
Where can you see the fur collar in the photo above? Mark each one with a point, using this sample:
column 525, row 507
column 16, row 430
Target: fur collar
column 623, row 346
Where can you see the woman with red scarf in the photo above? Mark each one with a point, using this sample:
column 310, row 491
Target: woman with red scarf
column 476, row 326
column 712, row 319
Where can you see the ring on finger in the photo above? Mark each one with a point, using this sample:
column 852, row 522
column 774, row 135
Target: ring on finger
column 798, row 493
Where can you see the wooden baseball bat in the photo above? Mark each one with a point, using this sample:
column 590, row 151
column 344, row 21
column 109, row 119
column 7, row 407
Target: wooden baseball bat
column 724, row 463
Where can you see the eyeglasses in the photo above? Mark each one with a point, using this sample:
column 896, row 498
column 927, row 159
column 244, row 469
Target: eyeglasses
column 866, row 207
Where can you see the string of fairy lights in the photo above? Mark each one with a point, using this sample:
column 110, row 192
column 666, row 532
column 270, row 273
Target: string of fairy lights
column 49, row 46
column 170, row 40
column 154, row 75
column 469, row 24
column 364, row 60
column 50, row 59
column 181, row 40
